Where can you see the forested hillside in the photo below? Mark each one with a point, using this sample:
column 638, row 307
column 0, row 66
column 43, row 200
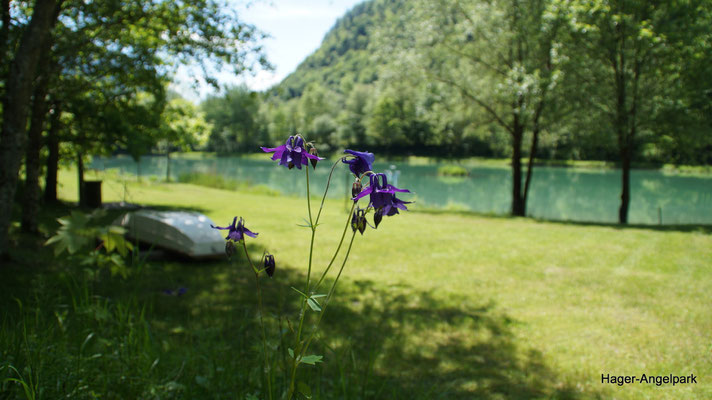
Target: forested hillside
column 556, row 78
column 344, row 58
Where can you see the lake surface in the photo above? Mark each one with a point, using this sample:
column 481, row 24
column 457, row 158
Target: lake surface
column 556, row 193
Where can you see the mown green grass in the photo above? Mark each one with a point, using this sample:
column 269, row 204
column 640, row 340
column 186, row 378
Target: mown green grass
column 432, row 305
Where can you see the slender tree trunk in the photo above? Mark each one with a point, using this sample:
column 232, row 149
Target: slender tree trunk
column 18, row 91
column 518, row 205
column 530, row 164
column 625, row 192
column 50, row 190
column 168, row 165
column 31, row 195
column 80, row 179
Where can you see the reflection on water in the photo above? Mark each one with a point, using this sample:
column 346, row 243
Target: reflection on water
column 556, row 193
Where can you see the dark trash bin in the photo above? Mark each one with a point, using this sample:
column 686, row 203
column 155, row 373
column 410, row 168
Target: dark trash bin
column 92, row 191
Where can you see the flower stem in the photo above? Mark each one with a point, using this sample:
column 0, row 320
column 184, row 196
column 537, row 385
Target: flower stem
column 328, row 297
column 328, row 182
column 302, row 309
column 299, row 352
column 338, row 248
column 313, row 230
column 267, row 367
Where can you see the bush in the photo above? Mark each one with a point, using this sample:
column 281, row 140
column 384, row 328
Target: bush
column 453, row 170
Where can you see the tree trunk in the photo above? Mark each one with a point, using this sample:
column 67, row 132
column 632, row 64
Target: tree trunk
column 50, row 190
column 625, row 192
column 80, row 180
column 530, row 164
column 518, row 204
column 18, row 90
column 31, row 197
column 168, row 165
column 4, row 33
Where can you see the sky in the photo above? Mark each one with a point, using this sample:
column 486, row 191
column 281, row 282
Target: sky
column 296, row 29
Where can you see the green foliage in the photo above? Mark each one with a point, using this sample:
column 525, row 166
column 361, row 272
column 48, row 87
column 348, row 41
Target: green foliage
column 234, row 119
column 453, row 170
column 444, row 78
column 77, row 236
column 183, row 127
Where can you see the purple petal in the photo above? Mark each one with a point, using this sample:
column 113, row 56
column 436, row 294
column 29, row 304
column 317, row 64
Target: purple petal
column 313, row 157
column 391, row 211
column 400, row 203
column 363, row 193
column 285, row 159
column 362, row 163
column 363, row 155
column 249, row 233
column 268, row 149
column 392, row 189
column 234, row 235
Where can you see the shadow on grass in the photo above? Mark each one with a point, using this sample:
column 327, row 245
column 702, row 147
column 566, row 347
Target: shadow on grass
column 378, row 341
column 189, row 330
column 402, row 343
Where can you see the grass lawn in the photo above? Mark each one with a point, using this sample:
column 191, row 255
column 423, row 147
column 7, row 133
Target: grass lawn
column 433, row 305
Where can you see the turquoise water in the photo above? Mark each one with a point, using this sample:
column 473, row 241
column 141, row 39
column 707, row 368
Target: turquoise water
column 556, row 193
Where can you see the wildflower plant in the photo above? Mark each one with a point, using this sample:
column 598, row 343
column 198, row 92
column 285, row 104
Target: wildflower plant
column 382, row 201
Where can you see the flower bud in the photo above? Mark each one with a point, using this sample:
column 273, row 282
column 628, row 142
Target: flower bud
column 358, row 221
column 313, row 152
column 229, row 248
column 356, row 188
column 377, row 217
column 269, row 264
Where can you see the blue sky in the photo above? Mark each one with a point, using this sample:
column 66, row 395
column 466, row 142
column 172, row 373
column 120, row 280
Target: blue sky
column 296, row 28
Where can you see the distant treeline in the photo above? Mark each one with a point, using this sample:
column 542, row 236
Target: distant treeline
column 434, row 78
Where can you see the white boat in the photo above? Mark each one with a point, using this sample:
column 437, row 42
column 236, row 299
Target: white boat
column 185, row 232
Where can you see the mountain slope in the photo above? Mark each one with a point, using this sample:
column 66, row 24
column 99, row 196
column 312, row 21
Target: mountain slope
column 343, row 57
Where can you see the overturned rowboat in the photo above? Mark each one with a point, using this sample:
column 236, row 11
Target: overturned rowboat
column 184, row 232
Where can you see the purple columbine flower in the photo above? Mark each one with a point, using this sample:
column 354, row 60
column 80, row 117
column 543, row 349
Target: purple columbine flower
column 292, row 153
column 362, row 163
column 236, row 232
column 383, row 196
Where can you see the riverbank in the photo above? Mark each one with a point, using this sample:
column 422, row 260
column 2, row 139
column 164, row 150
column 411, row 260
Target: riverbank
column 432, row 305
column 556, row 193
column 667, row 168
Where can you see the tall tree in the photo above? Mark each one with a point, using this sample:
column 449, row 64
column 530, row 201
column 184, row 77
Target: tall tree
column 115, row 59
column 233, row 116
column 500, row 56
column 183, row 127
column 628, row 55
column 40, row 107
column 35, row 40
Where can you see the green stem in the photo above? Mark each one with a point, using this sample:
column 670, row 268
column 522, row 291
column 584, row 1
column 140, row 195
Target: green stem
column 313, row 223
column 338, row 248
column 262, row 324
column 328, row 182
column 328, row 297
column 303, row 311
column 313, row 229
